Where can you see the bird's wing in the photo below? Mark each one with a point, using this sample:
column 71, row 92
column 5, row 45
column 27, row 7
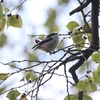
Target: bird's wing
column 42, row 42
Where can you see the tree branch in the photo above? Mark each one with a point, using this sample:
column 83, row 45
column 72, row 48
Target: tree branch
column 80, row 7
column 95, row 40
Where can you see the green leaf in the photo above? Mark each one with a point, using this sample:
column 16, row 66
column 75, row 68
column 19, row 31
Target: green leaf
column 14, row 21
column 72, row 97
column 13, row 65
column 98, row 69
column 41, row 36
column 51, row 17
column 2, row 16
column 86, row 97
column 22, row 79
column 72, row 25
column 86, row 86
column 90, row 25
column 13, row 94
column 30, row 75
column 91, row 79
column 3, row 40
column 6, row 9
column 89, row 37
column 24, row 98
column 91, row 87
column 96, row 77
column 2, row 24
column 96, row 57
column 1, row 9
column 78, row 40
column 82, row 85
column 2, row 90
column 3, row 76
column 1, row 12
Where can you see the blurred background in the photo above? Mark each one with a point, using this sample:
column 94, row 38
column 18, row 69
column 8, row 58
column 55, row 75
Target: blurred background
column 39, row 17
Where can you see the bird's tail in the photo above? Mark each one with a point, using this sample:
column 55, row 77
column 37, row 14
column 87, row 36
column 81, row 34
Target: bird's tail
column 35, row 47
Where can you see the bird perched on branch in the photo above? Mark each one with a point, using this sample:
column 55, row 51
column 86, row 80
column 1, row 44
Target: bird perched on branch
column 48, row 44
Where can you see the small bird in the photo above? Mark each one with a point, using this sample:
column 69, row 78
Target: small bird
column 48, row 44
